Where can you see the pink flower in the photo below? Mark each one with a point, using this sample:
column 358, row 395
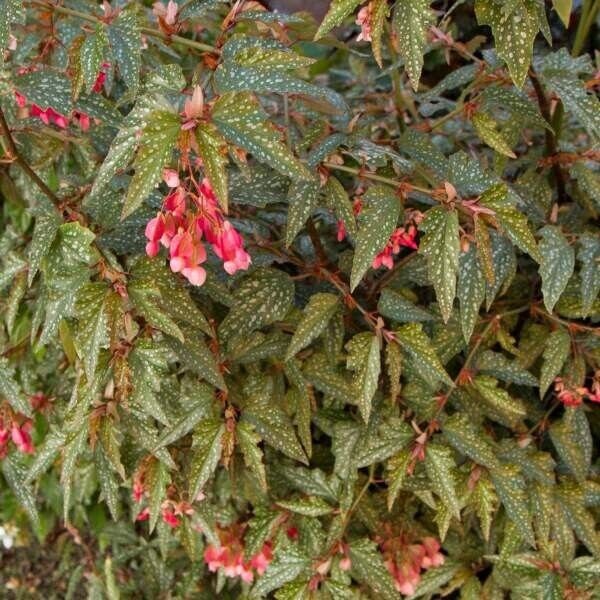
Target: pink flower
column 345, row 563
column 433, row 558
column 171, row 177
column 341, row 230
column 261, row 560
column 229, row 246
column 170, row 518
column 82, row 119
column 194, row 106
column 364, row 19
column 138, row 491
column 214, row 558
column 143, row 515
column 155, row 229
column 21, row 438
column 4, row 435
column 168, row 13
column 20, row 100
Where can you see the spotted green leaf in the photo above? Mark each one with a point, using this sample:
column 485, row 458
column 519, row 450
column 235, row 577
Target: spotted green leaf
column 469, row 440
column 589, row 257
column 558, row 263
column 376, row 224
column 260, row 299
column 379, row 13
column 513, row 33
column 337, row 199
column 311, row 506
column 439, row 465
column 471, row 291
column 157, row 145
column 497, row 402
column 411, row 20
column 11, row 390
column 14, row 473
column 398, row 308
column 486, row 128
column 510, row 218
column 572, row 439
column 485, row 502
column 414, row 341
column 124, row 37
column 13, row 12
column 511, row 489
column 368, row 568
column 92, row 315
column 240, row 119
column 248, row 441
column 206, row 453
column 556, row 352
column 338, row 11
column 364, row 358
column 318, row 312
column 441, row 248
column 303, row 198
column 288, row 564
column 91, row 56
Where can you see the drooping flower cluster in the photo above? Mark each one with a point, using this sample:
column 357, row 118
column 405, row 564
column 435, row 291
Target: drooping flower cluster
column 405, row 559
column 50, row 116
column 403, row 237
column 16, row 427
column 229, row 557
column 190, row 216
column 571, row 395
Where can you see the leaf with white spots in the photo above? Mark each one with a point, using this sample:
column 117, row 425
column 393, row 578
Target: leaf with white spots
column 557, row 265
column 303, row 198
column 317, row 313
column 379, row 13
column 571, row 436
column 364, row 358
column 377, row 222
column 248, row 441
column 471, row 291
column 91, row 56
column 337, row 200
column 11, row 390
column 46, row 88
column 556, row 352
column 511, row 219
column 213, row 151
column 487, row 130
column 15, row 476
column 439, row 465
column 368, row 568
column 589, row 257
column 206, row 453
column 124, row 37
column 261, row 298
column 92, row 334
column 498, row 404
column 13, row 12
column 499, row 366
column 398, row 308
column 470, row 440
column 584, row 105
column 243, row 122
column 411, row 20
column 338, row 11
column 441, row 247
column 156, row 148
column 513, row 33
column 414, row 341
column 511, row 489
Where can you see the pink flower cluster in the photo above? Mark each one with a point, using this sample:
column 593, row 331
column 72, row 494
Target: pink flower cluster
column 405, row 560
column 229, row 558
column 189, row 217
column 402, row 237
column 49, row 115
column 20, row 434
column 574, row 396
